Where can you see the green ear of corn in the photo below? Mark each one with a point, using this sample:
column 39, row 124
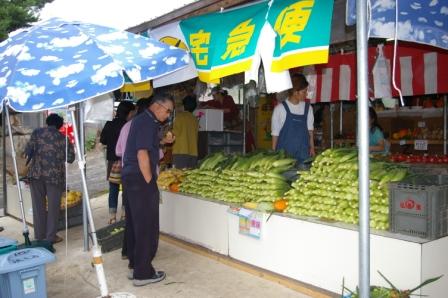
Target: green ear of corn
column 275, row 175
column 348, row 156
column 284, row 162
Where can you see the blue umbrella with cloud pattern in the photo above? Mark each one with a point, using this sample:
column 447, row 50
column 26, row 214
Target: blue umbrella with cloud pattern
column 57, row 63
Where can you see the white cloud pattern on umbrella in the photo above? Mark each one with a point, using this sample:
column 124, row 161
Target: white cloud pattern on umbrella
column 55, row 63
column 419, row 21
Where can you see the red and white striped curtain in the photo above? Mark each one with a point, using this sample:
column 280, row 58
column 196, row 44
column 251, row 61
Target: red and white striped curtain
column 420, row 70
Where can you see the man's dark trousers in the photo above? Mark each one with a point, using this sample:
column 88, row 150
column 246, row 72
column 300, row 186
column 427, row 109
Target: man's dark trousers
column 142, row 223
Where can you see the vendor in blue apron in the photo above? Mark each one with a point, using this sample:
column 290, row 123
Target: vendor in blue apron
column 292, row 123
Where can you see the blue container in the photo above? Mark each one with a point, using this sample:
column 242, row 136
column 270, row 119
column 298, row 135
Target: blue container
column 22, row 273
column 7, row 245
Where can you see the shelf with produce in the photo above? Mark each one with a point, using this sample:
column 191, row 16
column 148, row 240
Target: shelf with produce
column 411, row 112
column 227, row 145
column 412, row 142
column 344, row 141
column 214, row 141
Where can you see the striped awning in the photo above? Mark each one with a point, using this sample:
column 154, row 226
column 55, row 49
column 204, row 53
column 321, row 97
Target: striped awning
column 421, row 70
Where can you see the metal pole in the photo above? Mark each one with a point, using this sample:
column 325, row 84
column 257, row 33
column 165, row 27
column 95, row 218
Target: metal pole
column 16, row 172
column 332, row 125
column 363, row 141
column 244, row 120
column 340, row 117
column 5, row 192
column 85, row 222
column 445, row 122
column 96, row 250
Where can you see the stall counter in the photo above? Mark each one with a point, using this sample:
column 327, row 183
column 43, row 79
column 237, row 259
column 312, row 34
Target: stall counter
column 318, row 253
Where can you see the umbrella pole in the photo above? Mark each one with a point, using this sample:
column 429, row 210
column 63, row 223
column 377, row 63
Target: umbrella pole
column 85, row 223
column 26, row 232
column 96, row 250
column 5, row 193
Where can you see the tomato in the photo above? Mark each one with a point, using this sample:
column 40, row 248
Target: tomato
column 402, row 157
column 419, row 159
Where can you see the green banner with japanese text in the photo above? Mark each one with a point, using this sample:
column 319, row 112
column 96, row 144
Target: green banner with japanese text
column 224, row 43
column 303, row 32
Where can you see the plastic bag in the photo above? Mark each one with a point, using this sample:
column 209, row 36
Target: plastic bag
column 381, row 75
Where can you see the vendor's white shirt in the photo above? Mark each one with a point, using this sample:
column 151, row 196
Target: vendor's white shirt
column 279, row 116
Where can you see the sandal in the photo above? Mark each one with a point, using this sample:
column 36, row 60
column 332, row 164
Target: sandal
column 112, row 220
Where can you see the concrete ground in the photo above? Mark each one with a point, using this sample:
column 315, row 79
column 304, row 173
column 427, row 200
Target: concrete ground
column 188, row 274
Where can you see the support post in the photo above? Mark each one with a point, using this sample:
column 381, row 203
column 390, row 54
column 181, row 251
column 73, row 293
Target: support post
column 244, row 120
column 332, row 108
column 85, row 221
column 5, row 192
column 96, row 250
column 16, row 172
column 340, row 117
column 363, row 141
column 445, row 123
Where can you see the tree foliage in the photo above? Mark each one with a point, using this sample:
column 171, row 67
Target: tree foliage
column 15, row 14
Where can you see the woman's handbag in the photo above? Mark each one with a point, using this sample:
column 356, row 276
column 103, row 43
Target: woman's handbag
column 115, row 172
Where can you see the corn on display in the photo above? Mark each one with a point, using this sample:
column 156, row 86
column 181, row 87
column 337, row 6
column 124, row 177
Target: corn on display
column 238, row 179
column 330, row 189
column 168, row 177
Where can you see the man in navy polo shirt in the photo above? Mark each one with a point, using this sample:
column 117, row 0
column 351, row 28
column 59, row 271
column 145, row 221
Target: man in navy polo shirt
column 139, row 177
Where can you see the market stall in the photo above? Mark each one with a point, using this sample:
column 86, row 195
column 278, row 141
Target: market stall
column 255, row 235
column 314, row 240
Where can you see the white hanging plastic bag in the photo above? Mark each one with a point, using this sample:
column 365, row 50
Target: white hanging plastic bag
column 381, row 75
column 100, row 108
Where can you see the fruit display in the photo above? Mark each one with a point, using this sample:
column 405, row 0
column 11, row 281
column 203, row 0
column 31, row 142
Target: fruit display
column 402, row 134
column 330, row 189
column 73, row 199
column 169, row 177
column 251, row 178
column 418, row 134
column 410, row 158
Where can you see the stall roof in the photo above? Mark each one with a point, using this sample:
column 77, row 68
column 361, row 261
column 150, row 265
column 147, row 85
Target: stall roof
column 193, row 9
column 340, row 32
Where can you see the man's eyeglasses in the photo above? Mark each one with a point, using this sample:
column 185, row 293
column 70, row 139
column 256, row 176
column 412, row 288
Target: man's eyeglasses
column 168, row 111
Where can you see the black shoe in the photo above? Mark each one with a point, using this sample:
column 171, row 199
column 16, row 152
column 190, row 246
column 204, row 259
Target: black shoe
column 57, row 239
column 158, row 276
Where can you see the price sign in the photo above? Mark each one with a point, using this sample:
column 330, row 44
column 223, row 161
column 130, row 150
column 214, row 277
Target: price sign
column 250, row 223
column 421, row 145
column 402, row 142
column 421, row 124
